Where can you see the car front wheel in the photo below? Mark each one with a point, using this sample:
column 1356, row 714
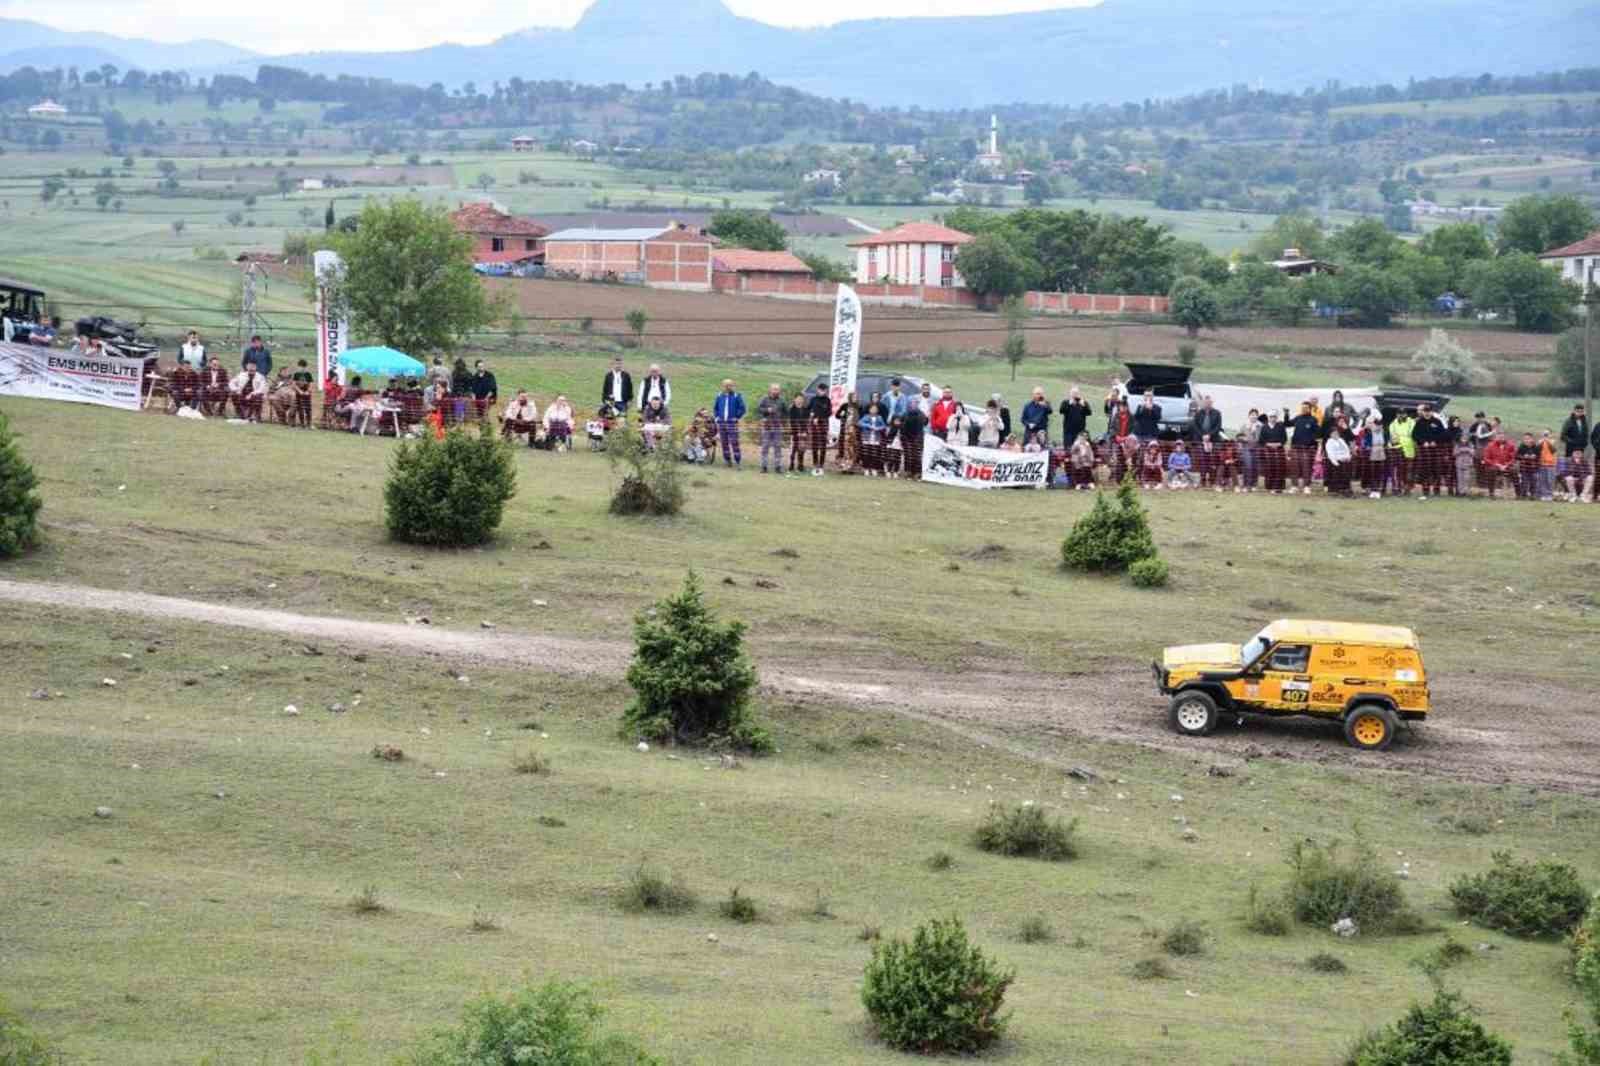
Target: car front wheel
column 1194, row 714
column 1370, row 727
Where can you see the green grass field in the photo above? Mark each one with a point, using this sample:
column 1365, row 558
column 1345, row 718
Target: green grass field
column 195, row 927
column 1471, row 107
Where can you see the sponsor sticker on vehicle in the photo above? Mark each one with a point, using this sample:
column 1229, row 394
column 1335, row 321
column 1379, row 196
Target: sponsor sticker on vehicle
column 1409, row 676
column 1296, row 691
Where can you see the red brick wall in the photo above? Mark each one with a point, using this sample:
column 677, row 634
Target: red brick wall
column 678, row 263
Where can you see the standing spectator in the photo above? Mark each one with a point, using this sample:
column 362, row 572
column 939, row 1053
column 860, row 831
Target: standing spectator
column 1249, row 442
column 655, row 387
column 192, row 353
column 1274, row 440
column 558, row 424
column 1005, row 418
column 1036, row 419
column 1338, row 453
column 1403, row 451
column 913, row 427
column 1336, row 408
column 439, row 374
column 1575, row 430
column 1432, row 438
column 872, row 428
column 848, row 414
column 485, row 389
column 799, row 415
column 1082, row 460
column 924, row 400
column 1305, row 432
column 1205, row 430
column 958, row 426
column 617, row 388
column 1528, row 468
column 259, row 354
column 771, row 410
column 894, row 449
column 521, row 416
column 728, row 410
column 1074, row 417
column 1548, row 456
column 820, row 410
column 1374, row 451
column 1147, row 418
column 939, row 417
column 460, row 378
column 1465, row 455
column 989, row 428
column 894, row 404
column 302, row 394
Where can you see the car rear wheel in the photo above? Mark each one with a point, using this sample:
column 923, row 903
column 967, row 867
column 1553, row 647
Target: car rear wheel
column 1370, row 727
column 1193, row 713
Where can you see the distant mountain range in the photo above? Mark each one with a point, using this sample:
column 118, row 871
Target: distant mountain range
column 24, row 43
column 1119, row 50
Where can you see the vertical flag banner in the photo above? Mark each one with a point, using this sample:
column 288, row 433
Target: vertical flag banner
column 333, row 333
column 846, row 345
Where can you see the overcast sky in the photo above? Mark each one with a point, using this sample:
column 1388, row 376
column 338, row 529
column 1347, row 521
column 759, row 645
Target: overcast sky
column 318, row 25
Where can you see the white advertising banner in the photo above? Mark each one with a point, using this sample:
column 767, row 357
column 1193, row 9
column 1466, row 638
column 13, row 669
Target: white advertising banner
column 846, row 345
column 333, row 333
column 982, row 468
column 60, row 374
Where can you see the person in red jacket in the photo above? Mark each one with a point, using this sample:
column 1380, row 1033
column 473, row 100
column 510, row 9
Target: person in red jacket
column 1500, row 463
column 939, row 419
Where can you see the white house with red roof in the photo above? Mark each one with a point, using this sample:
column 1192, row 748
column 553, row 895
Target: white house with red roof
column 1578, row 263
column 916, row 253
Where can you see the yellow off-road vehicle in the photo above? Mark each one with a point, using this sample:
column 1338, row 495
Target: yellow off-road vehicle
column 1368, row 677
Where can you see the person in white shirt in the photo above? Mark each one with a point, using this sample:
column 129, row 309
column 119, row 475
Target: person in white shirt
column 655, row 387
column 558, row 424
column 248, row 389
column 192, row 352
column 520, row 416
column 617, row 389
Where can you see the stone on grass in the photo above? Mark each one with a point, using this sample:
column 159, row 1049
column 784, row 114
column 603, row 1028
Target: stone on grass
column 39, row 694
column 1346, row 927
column 641, row 746
column 102, row 812
column 108, row 682
column 291, row 710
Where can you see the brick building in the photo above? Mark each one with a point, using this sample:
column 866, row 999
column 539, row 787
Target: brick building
column 741, row 270
column 496, row 234
column 917, row 253
column 670, row 257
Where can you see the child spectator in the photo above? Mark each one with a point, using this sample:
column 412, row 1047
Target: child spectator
column 1180, row 466
column 1151, row 469
column 872, row 428
column 302, row 394
column 1548, row 455
column 1082, row 459
column 1528, row 468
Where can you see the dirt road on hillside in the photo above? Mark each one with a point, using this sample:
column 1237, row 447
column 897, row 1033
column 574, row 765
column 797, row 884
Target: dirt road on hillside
column 1540, row 736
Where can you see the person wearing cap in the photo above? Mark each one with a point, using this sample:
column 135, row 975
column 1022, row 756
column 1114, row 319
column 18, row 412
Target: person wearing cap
column 1433, row 443
column 727, row 411
column 1036, row 419
column 258, row 354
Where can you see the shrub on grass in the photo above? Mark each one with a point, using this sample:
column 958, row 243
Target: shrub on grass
column 1322, row 962
column 935, row 993
column 1442, row 1033
column 737, row 908
column 1449, row 952
column 1527, row 899
column 530, row 762
column 652, row 478
column 940, row 860
column 690, row 677
column 367, row 901
column 1026, row 830
column 1326, row 887
column 649, row 889
column 449, row 493
column 1585, row 939
column 1110, row 538
column 1152, row 968
column 18, row 1044
column 1035, row 930
column 483, row 921
column 554, row 1024
column 1186, row 937
column 1267, row 915
column 1148, row 573
column 19, row 503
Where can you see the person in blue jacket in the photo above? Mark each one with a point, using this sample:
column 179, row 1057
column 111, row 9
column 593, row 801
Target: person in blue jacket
column 727, row 412
column 1036, row 420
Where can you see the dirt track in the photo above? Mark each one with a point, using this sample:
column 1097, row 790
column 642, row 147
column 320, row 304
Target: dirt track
column 1532, row 735
column 696, row 323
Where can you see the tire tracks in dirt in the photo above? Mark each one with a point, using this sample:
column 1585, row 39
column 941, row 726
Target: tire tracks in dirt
column 1534, row 735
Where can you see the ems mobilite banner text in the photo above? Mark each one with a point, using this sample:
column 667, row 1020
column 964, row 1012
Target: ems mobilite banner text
column 983, row 468
column 333, row 331
column 55, row 374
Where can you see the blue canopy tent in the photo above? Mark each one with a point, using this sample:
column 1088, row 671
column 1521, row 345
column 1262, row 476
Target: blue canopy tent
column 379, row 362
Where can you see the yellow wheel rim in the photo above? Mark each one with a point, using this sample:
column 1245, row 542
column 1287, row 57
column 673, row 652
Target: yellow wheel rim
column 1369, row 730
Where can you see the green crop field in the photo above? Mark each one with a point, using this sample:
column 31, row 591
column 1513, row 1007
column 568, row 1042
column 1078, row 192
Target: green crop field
column 922, row 655
column 1473, row 107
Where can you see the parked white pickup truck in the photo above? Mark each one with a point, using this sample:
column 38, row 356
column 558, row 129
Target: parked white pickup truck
column 1170, row 384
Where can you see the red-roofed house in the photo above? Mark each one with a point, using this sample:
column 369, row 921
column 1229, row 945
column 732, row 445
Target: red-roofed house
column 741, row 270
column 916, row 253
column 1578, row 263
column 495, row 233
column 668, row 257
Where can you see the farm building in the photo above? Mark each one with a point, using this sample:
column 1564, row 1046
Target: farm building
column 495, row 233
column 1295, row 264
column 917, row 253
column 1578, row 263
column 744, row 271
column 671, row 257
column 47, row 109
column 523, row 144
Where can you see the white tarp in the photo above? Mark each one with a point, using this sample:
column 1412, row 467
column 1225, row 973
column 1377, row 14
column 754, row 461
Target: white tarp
column 846, row 345
column 61, row 374
column 333, row 332
column 982, row 468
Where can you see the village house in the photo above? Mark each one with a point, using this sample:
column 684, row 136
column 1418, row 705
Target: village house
column 498, row 237
column 916, row 253
column 669, row 257
column 583, row 147
column 831, row 178
column 46, row 109
column 1296, row 264
column 523, row 144
column 1577, row 263
column 744, row 271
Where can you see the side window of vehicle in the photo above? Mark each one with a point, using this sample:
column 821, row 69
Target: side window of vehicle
column 1290, row 658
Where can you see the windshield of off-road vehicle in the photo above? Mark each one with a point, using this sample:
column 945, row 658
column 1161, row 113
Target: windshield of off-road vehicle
column 1254, row 648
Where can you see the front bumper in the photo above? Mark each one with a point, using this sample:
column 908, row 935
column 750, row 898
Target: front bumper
column 1161, row 677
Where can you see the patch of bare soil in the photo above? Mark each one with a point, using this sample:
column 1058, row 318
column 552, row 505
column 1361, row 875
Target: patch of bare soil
column 1534, row 735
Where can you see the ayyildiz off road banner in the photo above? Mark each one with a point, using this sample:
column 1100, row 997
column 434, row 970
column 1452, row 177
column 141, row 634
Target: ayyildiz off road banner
column 983, row 468
column 846, row 345
column 55, row 374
